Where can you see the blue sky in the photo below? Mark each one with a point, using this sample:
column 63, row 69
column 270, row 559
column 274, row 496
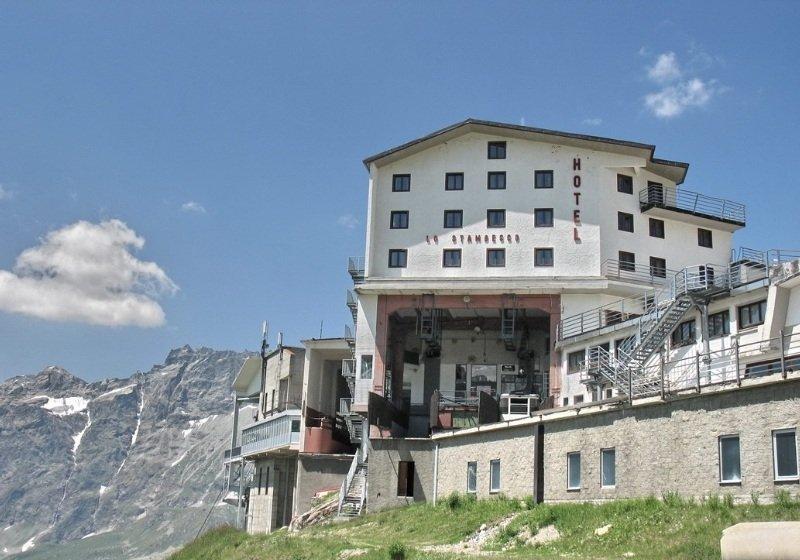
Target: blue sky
column 228, row 138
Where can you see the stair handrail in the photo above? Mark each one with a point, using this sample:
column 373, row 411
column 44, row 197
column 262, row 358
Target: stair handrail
column 347, row 481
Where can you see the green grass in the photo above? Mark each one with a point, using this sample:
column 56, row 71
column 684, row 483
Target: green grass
column 649, row 528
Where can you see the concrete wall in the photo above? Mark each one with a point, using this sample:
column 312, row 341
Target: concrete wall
column 674, row 446
column 513, row 447
column 318, row 473
column 270, row 502
column 384, row 457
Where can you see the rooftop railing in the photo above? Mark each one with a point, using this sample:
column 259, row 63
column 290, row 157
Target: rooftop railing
column 682, row 200
column 279, row 430
column 356, row 268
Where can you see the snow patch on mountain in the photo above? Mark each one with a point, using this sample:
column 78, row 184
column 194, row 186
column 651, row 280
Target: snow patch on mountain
column 64, row 406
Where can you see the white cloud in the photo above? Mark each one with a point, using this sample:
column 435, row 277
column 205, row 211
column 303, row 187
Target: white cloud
column 665, row 69
column 85, row 273
column 347, row 221
column 5, row 194
column 194, row 207
column 673, row 100
column 593, row 121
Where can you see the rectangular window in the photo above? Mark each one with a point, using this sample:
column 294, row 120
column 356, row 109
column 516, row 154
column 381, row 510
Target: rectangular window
column 494, row 475
column 472, row 477
column 398, row 258
column 627, row 261
column 609, row 393
column 543, row 217
column 543, row 256
column 704, row 238
column 366, row 366
column 753, row 314
column 656, row 228
column 625, row 221
column 401, row 183
column 543, row 179
column 497, row 150
column 730, row 469
column 496, row 218
column 399, row 219
column 566, row 401
column 574, row 471
column 719, row 324
column 784, row 449
column 453, row 218
column 577, row 399
column 451, row 258
column 405, row 479
column 575, row 361
column 495, row 257
column 608, row 468
column 454, row 181
column 684, row 334
column 658, row 267
column 496, row 180
column 625, row 184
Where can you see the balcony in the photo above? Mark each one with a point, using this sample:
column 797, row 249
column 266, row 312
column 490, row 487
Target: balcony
column 278, row 432
column 355, row 266
column 631, row 272
column 232, row 455
column 697, row 205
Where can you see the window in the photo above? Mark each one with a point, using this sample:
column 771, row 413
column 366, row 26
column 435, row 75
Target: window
column 658, row 267
column 405, row 479
column 730, row 469
column 609, row 393
column 543, row 257
column 683, row 334
column 451, row 258
column 784, row 449
column 454, row 181
column 625, row 184
column 719, row 324
column 494, row 475
column 398, row 258
column 566, row 401
column 625, row 221
column 401, row 183
column 627, row 261
column 608, row 468
column 543, row 217
column 496, row 257
column 577, row 399
column 472, row 477
column 366, row 366
column 496, row 218
column 656, row 228
column 497, row 150
column 575, row 361
column 399, row 219
column 453, row 218
column 574, row 471
column 704, row 238
column 753, row 314
column 496, row 180
column 543, row 179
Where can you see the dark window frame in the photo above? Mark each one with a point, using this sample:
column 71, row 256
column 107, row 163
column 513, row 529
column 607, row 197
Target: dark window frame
column 448, row 176
column 687, row 334
column 460, row 214
column 658, row 269
column 497, row 251
column 403, row 252
column 397, row 177
column 725, row 323
column 762, row 311
column 721, row 455
column 622, row 219
column 543, row 173
column 621, row 186
column 489, row 222
column 547, row 212
column 497, row 150
column 654, row 231
column 398, row 213
column 492, row 174
column 405, row 479
column 446, row 252
column 541, row 251
column 625, row 264
column 701, row 241
column 574, row 366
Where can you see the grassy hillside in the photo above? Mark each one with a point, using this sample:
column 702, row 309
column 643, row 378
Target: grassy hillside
column 647, row 528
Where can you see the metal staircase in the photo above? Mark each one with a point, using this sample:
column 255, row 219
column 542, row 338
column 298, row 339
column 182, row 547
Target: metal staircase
column 353, row 492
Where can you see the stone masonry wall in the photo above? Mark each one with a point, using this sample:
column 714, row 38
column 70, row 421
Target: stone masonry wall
column 384, row 457
column 316, row 473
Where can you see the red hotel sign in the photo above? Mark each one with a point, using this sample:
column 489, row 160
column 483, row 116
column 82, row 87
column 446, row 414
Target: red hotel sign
column 576, row 183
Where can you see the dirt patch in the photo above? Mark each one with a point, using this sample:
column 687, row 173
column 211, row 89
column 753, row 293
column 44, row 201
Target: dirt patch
column 352, row 553
column 546, row 534
column 473, row 544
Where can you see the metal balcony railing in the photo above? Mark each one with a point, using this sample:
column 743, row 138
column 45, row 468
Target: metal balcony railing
column 232, row 454
column 681, row 200
column 628, row 271
column 352, row 303
column 348, row 334
column 279, row 430
column 355, row 266
column 349, row 368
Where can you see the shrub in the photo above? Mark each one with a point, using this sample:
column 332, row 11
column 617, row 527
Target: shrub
column 727, row 501
column 397, row 551
column 453, row 501
column 783, row 498
column 672, row 498
column 754, row 497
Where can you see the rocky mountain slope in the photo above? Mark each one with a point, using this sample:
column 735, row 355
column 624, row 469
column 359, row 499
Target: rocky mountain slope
column 121, row 468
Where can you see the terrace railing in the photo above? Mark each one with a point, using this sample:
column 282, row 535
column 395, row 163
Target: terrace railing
column 682, row 200
column 279, row 430
column 356, row 269
column 624, row 270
